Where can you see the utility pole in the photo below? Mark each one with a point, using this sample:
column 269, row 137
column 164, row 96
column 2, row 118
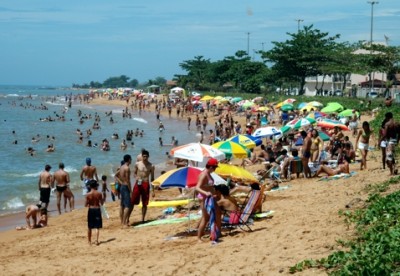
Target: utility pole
column 298, row 24
column 372, row 3
column 248, row 43
column 262, row 45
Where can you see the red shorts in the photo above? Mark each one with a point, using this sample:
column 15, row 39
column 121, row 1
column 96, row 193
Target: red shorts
column 141, row 191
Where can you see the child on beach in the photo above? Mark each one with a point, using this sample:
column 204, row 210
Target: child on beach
column 69, row 196
column 31, row 212
column 104, row 188
column 93, row 200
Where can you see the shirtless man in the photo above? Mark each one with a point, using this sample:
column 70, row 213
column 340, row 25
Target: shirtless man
column 391, row 137
column 61, row 178
column 144, row 175
column 44, row 183
column 123, row 178
column 342, row 168
column 89, row 172
column 306, row 153
column 93, row 200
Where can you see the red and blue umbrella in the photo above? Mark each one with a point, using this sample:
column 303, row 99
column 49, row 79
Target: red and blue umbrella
column 183, row 177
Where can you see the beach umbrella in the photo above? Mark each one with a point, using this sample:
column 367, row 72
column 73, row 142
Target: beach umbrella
column 328, row 123
column 332, row 108
column 236, row 99
column 348, row 113
column 287, row 107
column 301, row 105
column 262, row 108
column 257, row 99
column 323, row 135
column 236, row 173
column 206, row 98
column 247, row 104
column 232, row 149
column 315, row 104
column 266, row 132
column 290, row 101
column 183, row 177
column 197, row 152
column 308, row 108
column 297, row 123
column 316, row 114
column 246, row 140
column 279, row 105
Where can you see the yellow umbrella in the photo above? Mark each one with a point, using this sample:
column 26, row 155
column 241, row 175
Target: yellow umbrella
column 308, row 108
column 280, row 104
column 236, row 173
column 206, row 98
column 263, row 108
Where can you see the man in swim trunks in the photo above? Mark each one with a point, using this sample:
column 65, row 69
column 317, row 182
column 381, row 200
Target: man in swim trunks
column 306, row 153
column 61, row 178
column 45, row 181
column 122, row 177
column 144, row 175
column 391, row 136
column 88, row 173
column 93, row 200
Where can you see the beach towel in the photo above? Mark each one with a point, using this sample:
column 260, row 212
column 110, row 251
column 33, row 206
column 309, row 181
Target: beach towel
column 338, row 176
column 279, row 188
column 214, row 230
column 169, row 220
column 266, row 214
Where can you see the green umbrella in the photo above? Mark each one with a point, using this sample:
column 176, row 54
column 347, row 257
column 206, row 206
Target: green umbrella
column 236, row 99
column 332, row 108
column 348, row 113
column 287, row 107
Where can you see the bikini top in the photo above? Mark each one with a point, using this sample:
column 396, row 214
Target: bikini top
column 210, row 180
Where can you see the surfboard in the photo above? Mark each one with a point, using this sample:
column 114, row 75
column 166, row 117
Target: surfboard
column 167, row 203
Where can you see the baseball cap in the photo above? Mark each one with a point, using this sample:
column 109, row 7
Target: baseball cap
column 212, row 162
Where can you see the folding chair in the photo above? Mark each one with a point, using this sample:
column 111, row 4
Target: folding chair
column 295, row 166
column 242, row 217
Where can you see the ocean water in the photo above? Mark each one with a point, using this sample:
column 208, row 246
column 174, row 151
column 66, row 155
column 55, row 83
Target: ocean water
column 20, row 120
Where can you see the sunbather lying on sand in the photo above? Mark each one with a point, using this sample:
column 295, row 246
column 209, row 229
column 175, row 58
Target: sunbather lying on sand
column 342, row 168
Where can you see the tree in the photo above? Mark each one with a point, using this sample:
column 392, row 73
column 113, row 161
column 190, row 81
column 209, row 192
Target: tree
column 197, row 70
column 301, row 56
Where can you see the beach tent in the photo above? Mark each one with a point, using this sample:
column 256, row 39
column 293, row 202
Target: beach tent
column 179, row 91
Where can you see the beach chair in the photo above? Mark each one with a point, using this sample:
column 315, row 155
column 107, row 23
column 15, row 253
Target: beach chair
column 241, row 218
column 295, row 166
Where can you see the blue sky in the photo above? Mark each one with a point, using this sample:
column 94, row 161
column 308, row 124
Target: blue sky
column 51, row 42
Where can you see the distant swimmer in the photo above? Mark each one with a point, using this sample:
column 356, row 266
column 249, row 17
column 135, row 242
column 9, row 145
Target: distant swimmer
column 50, row 148
column 161, row 127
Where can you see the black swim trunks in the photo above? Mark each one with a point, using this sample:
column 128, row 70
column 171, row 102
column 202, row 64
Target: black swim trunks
column 45, row 195
column 94, row 218
column 61, row 189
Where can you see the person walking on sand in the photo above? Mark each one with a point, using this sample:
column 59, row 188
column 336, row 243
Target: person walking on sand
column 362, row 141
column 93, row 200
column 45, row 181
column 144, row 175
column 88, row 173
column 123, row 178
column 61, row 179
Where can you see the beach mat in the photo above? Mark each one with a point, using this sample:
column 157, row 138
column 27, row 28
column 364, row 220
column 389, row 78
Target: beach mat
column 169, row 220
column 167, row 203
column 335, row 177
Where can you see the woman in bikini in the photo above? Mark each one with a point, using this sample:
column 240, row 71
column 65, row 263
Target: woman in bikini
column 362, row 141
column 316, row 145
column 205, row 188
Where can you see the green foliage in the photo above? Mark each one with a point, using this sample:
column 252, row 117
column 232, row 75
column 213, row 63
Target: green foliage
column 374, row 250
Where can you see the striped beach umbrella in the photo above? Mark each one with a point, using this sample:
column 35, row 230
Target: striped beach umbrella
column 246, row 140
column 232, row 149
column 197, row 152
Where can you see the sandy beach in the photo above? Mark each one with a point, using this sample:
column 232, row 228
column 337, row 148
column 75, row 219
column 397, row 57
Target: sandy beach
column 305, row 225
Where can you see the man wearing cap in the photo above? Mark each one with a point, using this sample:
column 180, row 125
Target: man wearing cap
column 88, row 173
column 45, row 181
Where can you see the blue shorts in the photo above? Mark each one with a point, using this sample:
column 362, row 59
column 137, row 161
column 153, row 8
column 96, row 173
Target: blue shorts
column 125, row 197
